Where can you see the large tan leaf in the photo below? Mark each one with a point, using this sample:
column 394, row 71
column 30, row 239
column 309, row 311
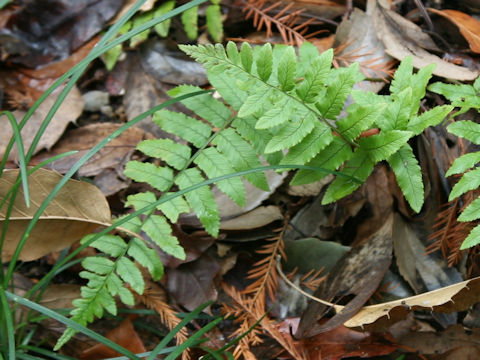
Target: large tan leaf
column 75, row 211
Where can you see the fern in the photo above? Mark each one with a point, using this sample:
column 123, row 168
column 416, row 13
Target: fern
column 465, row 97
column 276, row 108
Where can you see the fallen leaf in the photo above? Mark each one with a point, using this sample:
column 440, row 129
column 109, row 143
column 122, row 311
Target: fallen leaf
column 192, row 284
column 76, row 210
column 342, row 342
column 359, row 272
column 391, row 30
column 113, row 156
column 439, row 342
column 261, row 216
column 468, row 26
column 69, row 111
column 123, row 335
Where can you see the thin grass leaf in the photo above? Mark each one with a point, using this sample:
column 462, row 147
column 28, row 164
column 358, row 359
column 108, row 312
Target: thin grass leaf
column 8, row 323
column 66, row 321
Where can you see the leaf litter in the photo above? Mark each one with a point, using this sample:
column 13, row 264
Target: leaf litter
column 355, row 242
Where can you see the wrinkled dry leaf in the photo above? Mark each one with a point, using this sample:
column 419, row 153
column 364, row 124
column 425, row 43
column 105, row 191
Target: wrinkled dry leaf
column 359, row 272
column 391, row 30
column 261, row 216
column 468, row 26
column 68, row 112
column 123, row 335
column 192, row 284
column 112, row 156
column 423, row 272
column 74, row 212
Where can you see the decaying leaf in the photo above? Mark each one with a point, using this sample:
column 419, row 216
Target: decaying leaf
column 114, row 155
column 392, row 30
column 468, row 26
column 261, row 216
column 68, row 112
column 359, row 272
column 74, row 212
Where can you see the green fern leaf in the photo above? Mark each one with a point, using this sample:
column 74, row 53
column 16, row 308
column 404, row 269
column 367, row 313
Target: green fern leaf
column 232, row 53
column 98, row 265
column 466, row 129
column 205, row 106
column 225, row 85
column 310, row 146
column 469, row 181
column 214, row 22
column 398, row 112
column 471, row 212
column 200, row 200
column 409, row 176
column 241, row 155
column 190, row 22
column 315, row 77
column 287, row 70
column 359, row 118
column 419, row 83
column 115, row 287
column 381, row 146
column 215, row 164
column 453, row 92
column 308, row 53
column 330, row 158
column 139, row 201
column 158, row 229
column 162, row 28
column 173, row 208
column 246, row 57
column 292, row 132
column 174, row 154
column 158, row 177
column 257, row 137
column 367, row 98
column 255, row 102
column 139, row 20
column 109, row 244
column 186, row 127
column 276, row 115
column 146, row 257
column 472, row 239
column 129, row 273
column 463, row 163
column 402, row 77
column 359, row 166
column 337, row 91
column 429, row 118
column 264, row 62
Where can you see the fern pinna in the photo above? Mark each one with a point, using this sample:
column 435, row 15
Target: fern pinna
column 276, row 107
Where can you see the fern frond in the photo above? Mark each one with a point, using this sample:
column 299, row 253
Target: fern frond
column 285, row 21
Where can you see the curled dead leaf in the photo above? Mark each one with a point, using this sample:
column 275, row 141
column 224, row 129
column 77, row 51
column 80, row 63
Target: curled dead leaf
column 469, row 26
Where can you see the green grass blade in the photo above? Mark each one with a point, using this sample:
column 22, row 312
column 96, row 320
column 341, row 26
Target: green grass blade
column 66, row 321
column 8, row 322
column 21, row 154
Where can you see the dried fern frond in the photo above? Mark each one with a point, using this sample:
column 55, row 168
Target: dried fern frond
column 450, row 233
column 253, row 314
column 370, row 66
column 290, row 25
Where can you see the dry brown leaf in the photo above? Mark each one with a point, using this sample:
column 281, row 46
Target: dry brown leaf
column 358, row 273
column 68, row 112
column 391, row 30
column 74, row 212
column 116, row 153
column 468, row 26
column 261, row 216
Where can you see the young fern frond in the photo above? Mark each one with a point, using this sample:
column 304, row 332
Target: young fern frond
column 277, row 108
